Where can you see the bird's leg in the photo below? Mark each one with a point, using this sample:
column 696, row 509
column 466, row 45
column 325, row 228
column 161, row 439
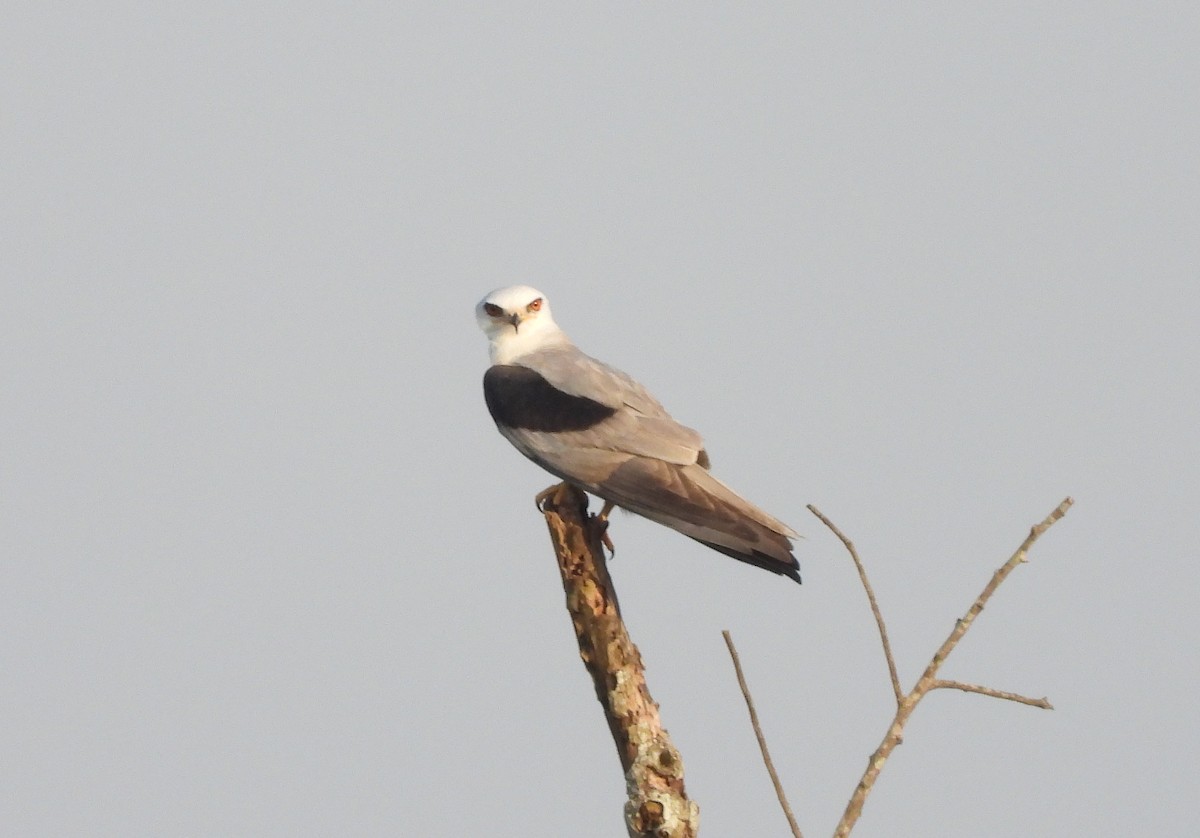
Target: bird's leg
column 603, row 519
column 546, row 494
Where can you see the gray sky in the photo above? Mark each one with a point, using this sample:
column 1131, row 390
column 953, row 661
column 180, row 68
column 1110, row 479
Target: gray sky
column 268, row 569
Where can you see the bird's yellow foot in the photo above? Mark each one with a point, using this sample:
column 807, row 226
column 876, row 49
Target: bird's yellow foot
column 546, row 494
column 603, row 519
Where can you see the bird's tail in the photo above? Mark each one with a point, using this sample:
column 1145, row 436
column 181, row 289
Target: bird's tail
column 690, row 500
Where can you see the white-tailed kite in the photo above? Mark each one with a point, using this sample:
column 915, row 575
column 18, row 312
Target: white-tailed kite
column 600, row 430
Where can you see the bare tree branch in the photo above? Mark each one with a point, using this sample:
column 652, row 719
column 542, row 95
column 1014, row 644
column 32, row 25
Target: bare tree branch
column 657, row 803
column 1007, row 696
column 929, row 680
column 762, row 742
column 862, row 575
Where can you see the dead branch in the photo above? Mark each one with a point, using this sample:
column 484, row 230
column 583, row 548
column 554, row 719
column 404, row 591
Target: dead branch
column 657, row 803
column 866, row 583
column 762, row 740
column 1007, row 696
column 929, row 680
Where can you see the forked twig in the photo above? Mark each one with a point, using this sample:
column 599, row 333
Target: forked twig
column 905, row 703
column 762, row 742
column 929, row 680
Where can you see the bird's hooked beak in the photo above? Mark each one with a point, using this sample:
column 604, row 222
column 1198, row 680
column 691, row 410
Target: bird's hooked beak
column 515, row 319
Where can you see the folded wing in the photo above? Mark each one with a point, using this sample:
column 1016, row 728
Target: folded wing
column 597, row 428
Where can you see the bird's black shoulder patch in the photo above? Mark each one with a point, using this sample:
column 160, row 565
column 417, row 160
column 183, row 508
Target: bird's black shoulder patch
column 518, row 397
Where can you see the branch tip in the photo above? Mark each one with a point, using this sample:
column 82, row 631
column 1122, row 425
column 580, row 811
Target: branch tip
column 866, row 583
column 758, row 734
column 1042, row 703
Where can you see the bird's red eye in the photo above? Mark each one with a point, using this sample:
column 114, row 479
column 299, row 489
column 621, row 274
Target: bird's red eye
column 492, row 309
column 536, row 305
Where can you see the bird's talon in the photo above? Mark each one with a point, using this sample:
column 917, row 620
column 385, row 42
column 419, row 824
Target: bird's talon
column 607, row 542
column 539, row 500
column 602, row 523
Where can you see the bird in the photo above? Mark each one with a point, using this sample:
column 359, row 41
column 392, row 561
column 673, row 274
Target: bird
column 595, row 427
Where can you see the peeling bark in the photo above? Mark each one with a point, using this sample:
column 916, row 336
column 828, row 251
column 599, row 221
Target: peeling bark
column 657, row 803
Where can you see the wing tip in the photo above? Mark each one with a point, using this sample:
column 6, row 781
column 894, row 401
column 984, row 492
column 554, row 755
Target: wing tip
column 779, row 565
column 793, row 573
column 790, row 570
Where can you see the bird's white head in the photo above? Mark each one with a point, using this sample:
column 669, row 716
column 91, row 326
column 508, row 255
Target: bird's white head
column 517, row 320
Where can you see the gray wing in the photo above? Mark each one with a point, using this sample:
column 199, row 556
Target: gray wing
column 640, row 425
column 579, row 374
column 644, row 461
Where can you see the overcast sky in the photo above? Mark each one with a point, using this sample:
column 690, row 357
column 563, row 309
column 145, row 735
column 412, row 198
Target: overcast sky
column 269, row 570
